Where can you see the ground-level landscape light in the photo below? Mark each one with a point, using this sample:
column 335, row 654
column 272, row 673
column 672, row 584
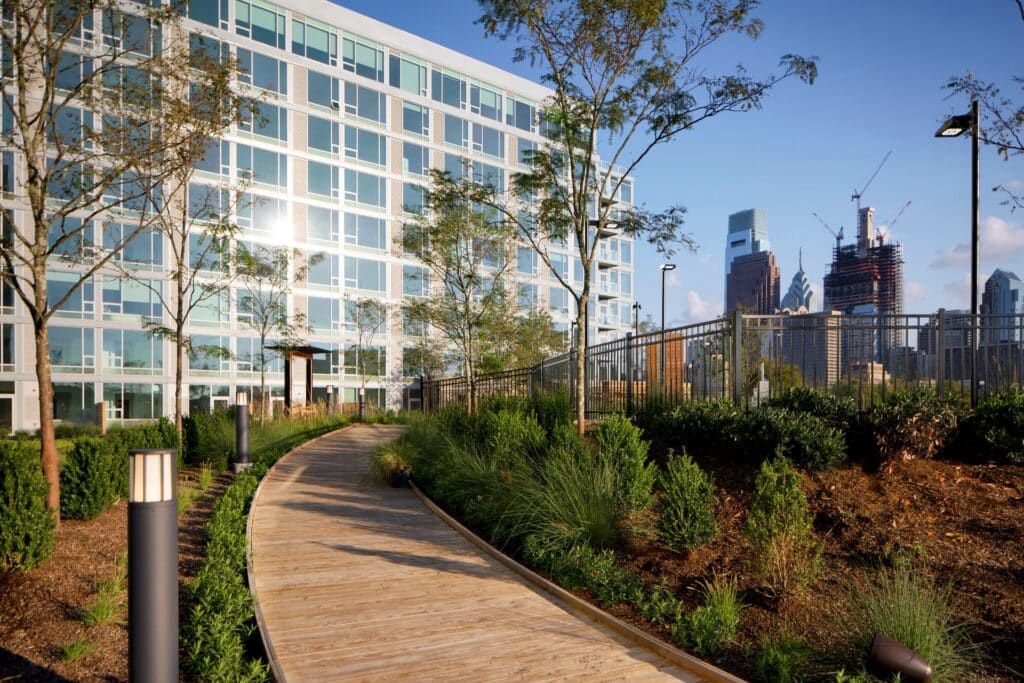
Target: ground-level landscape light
column 152, row 565
column 241, row 433
column 889, row 657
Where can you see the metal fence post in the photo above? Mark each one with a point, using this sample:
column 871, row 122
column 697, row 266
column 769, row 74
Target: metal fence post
column 940, row 353
column 737, row 356
column 629, row 373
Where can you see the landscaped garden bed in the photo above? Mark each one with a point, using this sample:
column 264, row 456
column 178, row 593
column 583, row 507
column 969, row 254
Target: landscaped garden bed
column 63, row 616
column 890, row 520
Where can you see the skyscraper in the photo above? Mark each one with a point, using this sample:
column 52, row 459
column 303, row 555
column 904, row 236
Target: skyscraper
column 1002, row 303
column 799, row 294
column 751, row 274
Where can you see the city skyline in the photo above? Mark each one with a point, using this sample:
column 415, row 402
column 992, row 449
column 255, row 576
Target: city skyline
column 880, row 88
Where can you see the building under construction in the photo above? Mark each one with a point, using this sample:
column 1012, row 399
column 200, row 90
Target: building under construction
column 867, row 278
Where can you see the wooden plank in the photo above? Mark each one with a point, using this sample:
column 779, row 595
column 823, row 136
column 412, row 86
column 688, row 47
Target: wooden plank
column 358, row 581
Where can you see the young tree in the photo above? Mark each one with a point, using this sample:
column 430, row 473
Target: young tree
column 367, row 318
column 194, row 221
column 98, row 101
column 521, row 339
column 266, row 276
column 467, row 255
column 626, row 79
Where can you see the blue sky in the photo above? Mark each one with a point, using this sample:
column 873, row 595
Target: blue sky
column 882, row 65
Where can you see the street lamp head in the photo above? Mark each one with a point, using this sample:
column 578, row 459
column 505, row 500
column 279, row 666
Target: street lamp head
column 667, row 266
column 954, row 126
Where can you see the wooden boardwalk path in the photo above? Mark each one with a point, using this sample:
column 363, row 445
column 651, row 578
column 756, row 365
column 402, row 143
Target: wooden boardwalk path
column 358, row 581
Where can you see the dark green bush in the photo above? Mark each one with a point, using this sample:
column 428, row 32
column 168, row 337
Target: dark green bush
column 701, row 427
column 784, row 554
column 915, row 424
column 583, row 568
column 551, row 409
column 838, row 412
column 510, row 437
column 806, row 440
column 69, row 430
column 686, row 511
column 92, row 477
column 995, row 432
column 619, row 443
column 456, row 422
column 209, row 439
column 26, row 526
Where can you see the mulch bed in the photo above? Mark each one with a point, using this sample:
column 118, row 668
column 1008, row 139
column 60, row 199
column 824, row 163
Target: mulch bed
column 39, row 609
column 964, row 524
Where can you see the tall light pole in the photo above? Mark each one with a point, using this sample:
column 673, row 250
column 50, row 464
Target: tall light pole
column 954, row 127
column 665, row 267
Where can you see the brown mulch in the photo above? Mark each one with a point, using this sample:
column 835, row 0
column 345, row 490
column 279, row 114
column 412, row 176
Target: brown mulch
column 39, row 609
column 963, row 524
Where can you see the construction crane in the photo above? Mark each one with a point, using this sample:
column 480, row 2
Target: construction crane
column 837, row 235
column 882, row 234
column 857, row 193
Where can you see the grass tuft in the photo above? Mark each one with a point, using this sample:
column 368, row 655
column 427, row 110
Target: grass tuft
column 707, row 628
column 783, row 658
column 76, row 649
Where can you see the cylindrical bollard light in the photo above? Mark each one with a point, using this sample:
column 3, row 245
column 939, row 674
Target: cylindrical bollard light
column 330, row 400
column 241, row 433
column 362, row 403
column 152, row 566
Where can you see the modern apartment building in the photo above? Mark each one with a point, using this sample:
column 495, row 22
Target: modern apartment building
column 353, row 115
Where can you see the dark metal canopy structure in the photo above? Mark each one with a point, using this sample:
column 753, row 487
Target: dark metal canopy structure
column 305, row 352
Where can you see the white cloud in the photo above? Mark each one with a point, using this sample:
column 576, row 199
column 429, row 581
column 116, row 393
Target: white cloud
column 958, row 256
column 915, row 293
column 1001, row 242
column 697, row 309
column 1014, row 184
column 960, row 290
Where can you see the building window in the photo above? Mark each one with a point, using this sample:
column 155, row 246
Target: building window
column 263, row 166
column 365, row 188
column 456, row 131
column 7, row 347
column 448, row 88
column 408, row 74
column 365, row 103
column 363, row 58
column 526, row 263
column 272, row 122
column 323, row 179
column 122, row 297
column 521, row 114
column 260, row 21
column 125, row 32
column 558, row 301
column 80, row 304
column 490, row 176
column 324, row 270
column 414, row 198
column 216, row 158
column 415, row 281
column 323, row 135
column 322, row 225
column 315, row 41
column 485, row 101
column 415, row 159
column 212, row 12
column 209, row 354
column 133, row 401
column 205, row 255
column 489, row 141
column 68, row 238
column 213, row 309
column 368, row 147
column 368, row 361
column 365, row 274
column 322, row 91
column 263, row 71
column 264, row 214
column 134, row 352
column 74, row 401
column 524, row 151
column 415, row 119
column 323, row 314
column 526, row 296
column 144, row 250
column 366, row 231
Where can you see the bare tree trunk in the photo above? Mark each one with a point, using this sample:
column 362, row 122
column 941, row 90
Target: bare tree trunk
column 581, row 361
column 179, row 362
column 47, row 438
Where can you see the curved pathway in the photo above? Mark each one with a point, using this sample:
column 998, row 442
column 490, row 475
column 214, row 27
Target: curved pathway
column 356, row 580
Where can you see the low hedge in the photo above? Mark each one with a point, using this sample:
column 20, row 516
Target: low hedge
column 26, row 526
column 806, row 440
column 915, row 424
column 995, row 432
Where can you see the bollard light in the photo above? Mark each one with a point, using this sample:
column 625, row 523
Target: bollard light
column 330, row 400
column 241, row 433
column 152, row 565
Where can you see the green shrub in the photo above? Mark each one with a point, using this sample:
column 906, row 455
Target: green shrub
column 510, row 436
column 686, row 510
column 702, row 427
column 92, row 477
column 210, row 438
column 705, row 629
column 908, row 606
column 659, row 605
column 995, row 432
column 26, row 526
column 838, row 412
column 551, row 409
column 619, row 443
column 388, row 459
column 784, row 554
column 806, row 440
column 455, row 422
column 583, row 568
column 70, row 430
column 783, row 658
column 915, row 424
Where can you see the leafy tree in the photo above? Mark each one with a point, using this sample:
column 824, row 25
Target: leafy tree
column 97, row 126
column 266, row 276
column 1002, row 119
column 626, row 78
column 521, row 340
column 466, row 252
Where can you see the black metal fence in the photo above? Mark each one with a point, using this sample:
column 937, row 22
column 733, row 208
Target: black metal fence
column 748, row 358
